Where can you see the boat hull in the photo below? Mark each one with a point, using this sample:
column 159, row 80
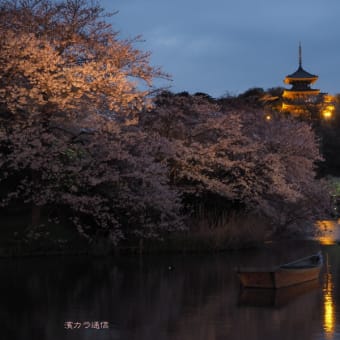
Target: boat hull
column 283, row 277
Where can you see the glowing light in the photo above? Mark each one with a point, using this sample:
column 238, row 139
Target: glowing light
column 268, row 117
column 329, row 308
column 326, row 225
column 327, row 114
column 328, row 232
column 329, row 98
column 328, row 111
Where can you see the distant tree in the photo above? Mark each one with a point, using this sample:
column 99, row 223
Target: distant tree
column 329, row 133
column 252, row 97
column 275, row 91
column 204, row 95
column 272, row 99
column 337, row 110
column 183, row 94
column 268, row 166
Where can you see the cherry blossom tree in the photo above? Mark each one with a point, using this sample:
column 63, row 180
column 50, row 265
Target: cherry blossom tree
column 266, row 165
column 81, row 142
column 70, row 91
column 104, row 178
column 56, row 53
column 293, row 197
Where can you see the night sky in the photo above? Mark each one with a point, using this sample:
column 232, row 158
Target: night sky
column 229, row 46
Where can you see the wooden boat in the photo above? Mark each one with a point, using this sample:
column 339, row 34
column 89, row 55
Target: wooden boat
column 292, row 273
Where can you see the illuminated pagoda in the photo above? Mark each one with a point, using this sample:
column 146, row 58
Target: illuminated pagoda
column 301, row 99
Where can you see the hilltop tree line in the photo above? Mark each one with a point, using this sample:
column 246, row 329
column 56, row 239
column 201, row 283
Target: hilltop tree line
column 87, row 143
column 327, row 130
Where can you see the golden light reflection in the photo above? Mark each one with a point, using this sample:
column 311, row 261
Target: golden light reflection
column 326, row 240
column 329, row 308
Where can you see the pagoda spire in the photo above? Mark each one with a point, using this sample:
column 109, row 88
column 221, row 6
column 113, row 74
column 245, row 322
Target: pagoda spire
column 300, row 55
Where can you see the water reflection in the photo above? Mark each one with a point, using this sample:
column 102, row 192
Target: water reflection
column 329, row 307
column 200, row 298
column 262, row 297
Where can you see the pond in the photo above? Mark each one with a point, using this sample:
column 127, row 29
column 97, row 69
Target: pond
column 182, row 297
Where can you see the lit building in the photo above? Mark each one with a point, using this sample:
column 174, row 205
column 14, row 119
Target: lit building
column 301, row 99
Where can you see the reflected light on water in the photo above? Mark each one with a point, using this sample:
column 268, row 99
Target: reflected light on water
column 326, row 240
column 329, row 308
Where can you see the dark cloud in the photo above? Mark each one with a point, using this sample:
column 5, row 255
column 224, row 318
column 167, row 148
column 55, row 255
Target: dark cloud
column 220, row 46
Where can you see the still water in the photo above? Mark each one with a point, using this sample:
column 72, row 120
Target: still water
column 182, row 297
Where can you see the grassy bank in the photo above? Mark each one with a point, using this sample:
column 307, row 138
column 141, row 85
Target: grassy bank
column 209, row 234
column 204, row 234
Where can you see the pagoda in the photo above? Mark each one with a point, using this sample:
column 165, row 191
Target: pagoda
column 301, row 99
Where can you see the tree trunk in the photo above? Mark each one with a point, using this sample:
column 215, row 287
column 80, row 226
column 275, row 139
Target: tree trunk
column 35, row 214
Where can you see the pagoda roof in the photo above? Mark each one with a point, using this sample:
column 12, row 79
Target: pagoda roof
column 302, row 90
column 300, row 73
